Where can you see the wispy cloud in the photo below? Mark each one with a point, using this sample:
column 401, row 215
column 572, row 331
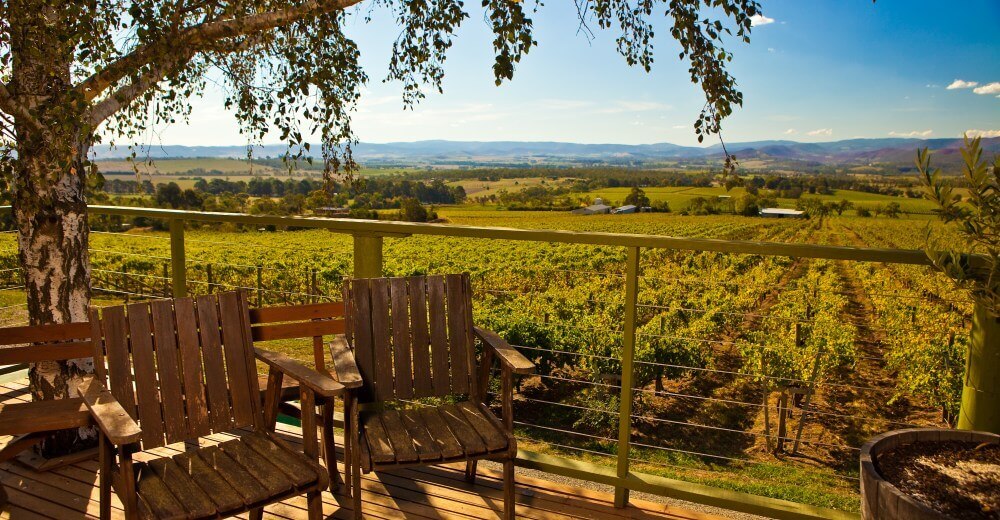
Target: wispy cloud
column 821, row 131
column 982, row 133
column 914, row 133
column 565, row 104
column 621, row 106
column 989, row 88
column 791, row 131
column 759, row 19
column 679, row 127
column 958, row 83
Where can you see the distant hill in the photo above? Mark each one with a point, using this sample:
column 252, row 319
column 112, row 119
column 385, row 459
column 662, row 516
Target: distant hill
column 888, row 155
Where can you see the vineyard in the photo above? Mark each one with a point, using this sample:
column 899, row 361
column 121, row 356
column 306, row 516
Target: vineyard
column 762, row 374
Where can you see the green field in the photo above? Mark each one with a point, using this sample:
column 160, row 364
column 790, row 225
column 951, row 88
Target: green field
column 175, row 166
column 679, row 197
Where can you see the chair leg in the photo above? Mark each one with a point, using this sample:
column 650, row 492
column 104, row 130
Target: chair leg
column 257, row 514
column 508, row 490
column 315, row 501
column 470, row 471
column 106, row 457
column 329, row 448
column 128, row 495
column 356, row 496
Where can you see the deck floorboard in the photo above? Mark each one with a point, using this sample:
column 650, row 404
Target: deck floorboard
column 432, row 492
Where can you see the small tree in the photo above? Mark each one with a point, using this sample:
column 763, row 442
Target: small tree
column 637, row 197
column 976, row 221
column 411, row 210
column 842, row 205
column 976, row 269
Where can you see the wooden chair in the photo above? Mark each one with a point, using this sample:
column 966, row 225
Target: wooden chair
column 312, row 322
column 31, row 422
column 183, row 369
column 413, row 338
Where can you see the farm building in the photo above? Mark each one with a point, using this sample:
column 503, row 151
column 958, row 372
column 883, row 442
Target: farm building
column 331, row 211
column 597, row 208
column 782, row 213
column 628, row 208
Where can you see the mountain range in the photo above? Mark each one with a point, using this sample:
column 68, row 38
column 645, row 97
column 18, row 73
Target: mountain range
column 887, row 155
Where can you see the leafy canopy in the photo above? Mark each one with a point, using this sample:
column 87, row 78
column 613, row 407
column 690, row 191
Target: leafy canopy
column 288, row 64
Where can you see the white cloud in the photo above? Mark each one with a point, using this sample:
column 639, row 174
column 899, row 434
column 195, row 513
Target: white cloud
column 821, row 131
column 914, row 133
column 989, row 88
column 961, row 84
column 565, row 104
column 620, row 106
column 982, row 133
column 759, row 19
column 791, row 131
column 679, row 127
column 770, row 49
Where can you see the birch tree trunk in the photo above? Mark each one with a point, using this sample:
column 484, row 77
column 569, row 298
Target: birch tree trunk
column 50, row 207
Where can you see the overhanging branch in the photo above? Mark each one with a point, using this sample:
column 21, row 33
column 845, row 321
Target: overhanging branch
column 201, row 37
column 125, row 95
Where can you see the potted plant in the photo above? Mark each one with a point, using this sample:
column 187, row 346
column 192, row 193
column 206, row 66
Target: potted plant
column 974, row 265
column 936, row 473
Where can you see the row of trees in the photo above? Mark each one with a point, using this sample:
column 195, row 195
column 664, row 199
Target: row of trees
column 433, row 192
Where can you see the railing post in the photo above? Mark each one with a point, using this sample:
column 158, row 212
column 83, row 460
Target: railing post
column 981, row 389
column 367, row 255
column 178, row 269
column 628, row 356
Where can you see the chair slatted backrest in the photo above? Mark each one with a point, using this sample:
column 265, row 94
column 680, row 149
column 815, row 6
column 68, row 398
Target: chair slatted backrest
column 182, row 368
column 412, row 337
column 41, row 343
column 313, row 320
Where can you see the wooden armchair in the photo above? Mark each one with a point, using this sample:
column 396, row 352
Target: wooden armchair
column 413, row 338
column 183, row 369
column 32, row 422
column 312, row 322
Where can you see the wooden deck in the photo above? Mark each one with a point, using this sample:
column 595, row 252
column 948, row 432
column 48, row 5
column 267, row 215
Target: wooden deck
column 438, row 492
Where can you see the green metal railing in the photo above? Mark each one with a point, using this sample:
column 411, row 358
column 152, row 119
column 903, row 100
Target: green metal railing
column 367, row 247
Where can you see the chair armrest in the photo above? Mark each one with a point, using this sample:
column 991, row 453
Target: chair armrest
column 307, row 377
column 108, row 413
column 343, row 363
column 510, row 357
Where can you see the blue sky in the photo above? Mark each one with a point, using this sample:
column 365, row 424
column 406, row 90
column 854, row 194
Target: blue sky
column 814, row 71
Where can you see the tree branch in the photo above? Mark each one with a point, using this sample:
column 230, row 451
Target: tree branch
column 9, row 105
column 200, row 37
column 128, row 93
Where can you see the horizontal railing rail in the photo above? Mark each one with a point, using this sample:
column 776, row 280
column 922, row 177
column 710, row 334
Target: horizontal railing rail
column 367, row 253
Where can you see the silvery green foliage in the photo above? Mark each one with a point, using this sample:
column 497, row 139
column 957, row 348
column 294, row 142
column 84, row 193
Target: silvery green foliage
column 975, row 265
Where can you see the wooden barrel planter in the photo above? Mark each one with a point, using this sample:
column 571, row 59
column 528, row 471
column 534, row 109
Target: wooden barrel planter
column 880, row 500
